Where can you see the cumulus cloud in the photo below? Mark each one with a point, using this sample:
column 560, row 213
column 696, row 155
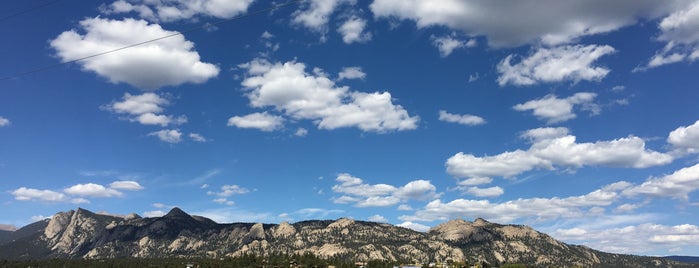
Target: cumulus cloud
column 316, row 14
column 377, row 218
column 676, row 185
column 166, row 62
column 679, row 31
column 173, row 10
column 93, row 190
column 73, row 193
column 523, row 208
column 154, row 213
column 144, row 109
column 301, row 132
column 485, row 192
column 546, row 133
column 351, row 73
column 197, row 137
column 262, row 121
column 414, row 226
column 4, row 121
column 288, row 88
column 229, row 190
column 354, row 190
column 547, row 65
column 685, row 139
column 30, row 194
column 553, row 147
column 126, row 185
column 168, row 135
column 466, row 119
column 634, row 239
column 549, row 22
column 353, row 30
column 556, row 110
column 447, row 44
column 224, row 201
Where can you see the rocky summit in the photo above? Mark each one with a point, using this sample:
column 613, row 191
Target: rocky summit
column 84, row 234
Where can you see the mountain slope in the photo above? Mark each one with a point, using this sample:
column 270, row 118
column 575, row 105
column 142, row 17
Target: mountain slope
column 83, row 234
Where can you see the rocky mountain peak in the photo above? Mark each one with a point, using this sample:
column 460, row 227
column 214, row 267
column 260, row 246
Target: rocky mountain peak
column 480, row 222
column 58, row 223
column 177, row 213
column 83, row 234
column 132, row 216
column 284, row 229
column 341, row 223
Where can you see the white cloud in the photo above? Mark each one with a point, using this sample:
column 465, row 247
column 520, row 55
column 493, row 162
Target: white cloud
column 267, row 35
column 353, row 31
column 551, row 148
column 317, row 14
column 685, row 138
column 679, row 31
column 138, row 104
column 92, row 190
column 262, row 121
column 404, row 207
column 466, row 119
column 197, row 137
column 414, row 226
column 4, row 121
column 316, row 213
column 166, row 62
column 510, row 211
column 351, row 73
column 126, row 185
column 301, row 132
column 161, row 205
column 168, row 135
column 447, row 44
column 635, row 239
column 485, row 192
column 475, row 181
column 556, row 110
column 173, row 10
column 533, row 21
column 30, row 194
column 377, row 218
column 676, row 185
column 154, row 213
column 300, row 95
column 144, row 109
column 563, row 63
column 506, row 164
column 229, row 190
column 79, row 201
column 546, row 133
column 224, row 201
column 355, row 191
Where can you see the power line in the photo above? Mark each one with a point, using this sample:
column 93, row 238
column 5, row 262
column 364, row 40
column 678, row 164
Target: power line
column 208, row 25
column 30, row 9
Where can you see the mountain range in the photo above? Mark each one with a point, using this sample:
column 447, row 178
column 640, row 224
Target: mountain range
column 83, row 234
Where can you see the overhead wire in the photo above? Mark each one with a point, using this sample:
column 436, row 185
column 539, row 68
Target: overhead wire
column 204, row 26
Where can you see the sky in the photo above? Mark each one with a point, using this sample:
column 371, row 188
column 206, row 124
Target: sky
column 578, row 118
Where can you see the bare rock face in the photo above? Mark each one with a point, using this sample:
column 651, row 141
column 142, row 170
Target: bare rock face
column 341, row 223
column 462, row 230
column 58, row 224
column 257, row 232
column 284, row 229
column 83, row 234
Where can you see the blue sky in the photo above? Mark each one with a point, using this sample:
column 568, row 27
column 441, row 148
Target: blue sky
column 577, row 119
